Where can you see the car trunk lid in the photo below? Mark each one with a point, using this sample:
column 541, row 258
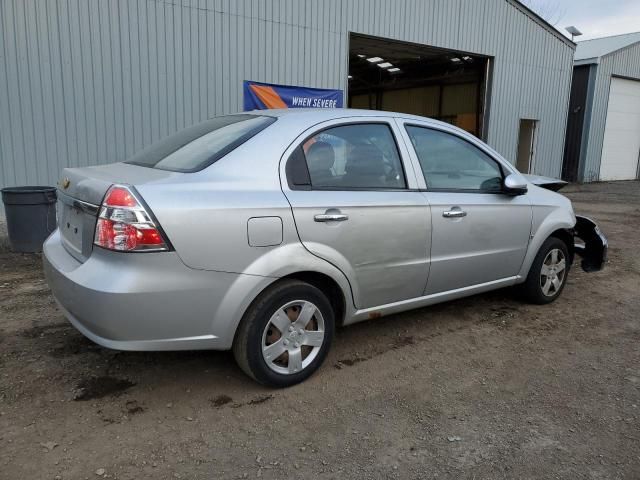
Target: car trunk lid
column 80, row 193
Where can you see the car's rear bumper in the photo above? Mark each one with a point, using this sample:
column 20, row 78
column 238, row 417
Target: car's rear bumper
column 590, row 244
column 145, row 301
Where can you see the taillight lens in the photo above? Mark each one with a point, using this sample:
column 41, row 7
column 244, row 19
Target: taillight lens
column 125, row 225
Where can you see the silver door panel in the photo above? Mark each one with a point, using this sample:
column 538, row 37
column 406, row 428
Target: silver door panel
column 383, row 246
column 476, row 237
column 488, row 243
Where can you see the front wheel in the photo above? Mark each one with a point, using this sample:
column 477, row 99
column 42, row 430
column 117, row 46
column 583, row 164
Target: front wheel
column 548, row 273
column 285, row 335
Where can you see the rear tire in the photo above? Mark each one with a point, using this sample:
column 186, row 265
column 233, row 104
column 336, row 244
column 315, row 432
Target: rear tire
column 285, row 334
column 548, row 273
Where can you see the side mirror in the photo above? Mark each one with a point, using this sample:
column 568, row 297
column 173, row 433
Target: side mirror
column 514, row 185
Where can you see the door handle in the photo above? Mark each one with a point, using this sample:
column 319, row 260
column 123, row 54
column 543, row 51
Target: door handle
column 331, row 217
column 454, row 214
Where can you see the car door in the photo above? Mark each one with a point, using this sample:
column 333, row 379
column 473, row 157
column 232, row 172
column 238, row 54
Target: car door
column 479, row 233
column 356, row 205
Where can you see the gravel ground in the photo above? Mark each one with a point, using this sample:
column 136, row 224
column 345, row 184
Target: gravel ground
column 485, row 387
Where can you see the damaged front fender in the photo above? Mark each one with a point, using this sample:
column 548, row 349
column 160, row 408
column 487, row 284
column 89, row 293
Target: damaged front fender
column 590, row 244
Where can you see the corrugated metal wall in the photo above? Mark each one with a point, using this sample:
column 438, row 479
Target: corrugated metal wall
column 624, row 63
column 86, row 82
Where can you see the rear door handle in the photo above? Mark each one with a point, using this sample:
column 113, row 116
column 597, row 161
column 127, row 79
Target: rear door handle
column 454, row 214
column 331, row 217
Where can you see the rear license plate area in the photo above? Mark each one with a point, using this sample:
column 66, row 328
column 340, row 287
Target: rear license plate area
column 70, row 224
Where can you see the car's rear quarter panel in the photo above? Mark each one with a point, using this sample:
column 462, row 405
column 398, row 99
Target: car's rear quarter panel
column 206, row 216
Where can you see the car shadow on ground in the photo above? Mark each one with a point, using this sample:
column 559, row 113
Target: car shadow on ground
column 93, row 372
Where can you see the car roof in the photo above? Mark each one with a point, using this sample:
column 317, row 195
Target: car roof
column 315, row 115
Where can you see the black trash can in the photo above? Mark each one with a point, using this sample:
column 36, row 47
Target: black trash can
column 31, row 216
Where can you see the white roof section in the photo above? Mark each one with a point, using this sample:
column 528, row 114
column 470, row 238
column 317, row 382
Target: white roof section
column 599, row 47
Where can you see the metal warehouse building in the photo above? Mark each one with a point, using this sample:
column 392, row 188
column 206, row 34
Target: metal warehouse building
column 603, row 132
column 87, row 82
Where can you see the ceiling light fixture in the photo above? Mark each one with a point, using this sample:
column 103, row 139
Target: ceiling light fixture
column 375, row 59
column 385, row 65
column 394, row 70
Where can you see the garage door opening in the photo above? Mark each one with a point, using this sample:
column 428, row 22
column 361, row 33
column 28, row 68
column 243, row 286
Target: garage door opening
column 409, row 78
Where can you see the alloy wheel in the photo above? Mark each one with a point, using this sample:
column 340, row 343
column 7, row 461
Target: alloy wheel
column 552, row 273
column 293, row 337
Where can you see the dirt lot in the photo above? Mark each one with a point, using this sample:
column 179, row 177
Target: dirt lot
column 480, row 388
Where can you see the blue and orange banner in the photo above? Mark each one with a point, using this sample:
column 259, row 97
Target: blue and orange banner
column 262, row 96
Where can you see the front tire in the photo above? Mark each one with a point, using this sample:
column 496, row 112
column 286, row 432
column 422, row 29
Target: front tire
column 548, row 273
column 285, row 334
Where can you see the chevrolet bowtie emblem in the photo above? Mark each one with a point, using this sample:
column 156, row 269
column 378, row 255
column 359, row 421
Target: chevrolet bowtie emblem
column 66, row 182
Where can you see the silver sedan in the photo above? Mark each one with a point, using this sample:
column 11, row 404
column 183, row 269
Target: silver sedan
column 261, row 232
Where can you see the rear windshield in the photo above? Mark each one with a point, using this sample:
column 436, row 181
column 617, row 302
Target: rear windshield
column 198, row 146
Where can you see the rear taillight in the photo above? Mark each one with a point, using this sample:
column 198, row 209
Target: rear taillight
column 125, row 225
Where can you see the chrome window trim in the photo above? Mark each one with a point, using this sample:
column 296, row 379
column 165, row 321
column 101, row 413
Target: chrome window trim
column 387, row 121
column 504, row 169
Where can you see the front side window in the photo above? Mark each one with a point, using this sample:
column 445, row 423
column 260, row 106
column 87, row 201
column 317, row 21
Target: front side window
column 450, row 163
column 198, row 146
column 357, row 156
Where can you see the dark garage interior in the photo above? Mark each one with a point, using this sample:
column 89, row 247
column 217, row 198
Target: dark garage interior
column 575, row 123
column 404, row 77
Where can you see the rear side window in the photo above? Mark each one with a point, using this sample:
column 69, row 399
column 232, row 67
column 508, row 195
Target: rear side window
column 451, row 163
column 198, row 146
column 358, row 156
